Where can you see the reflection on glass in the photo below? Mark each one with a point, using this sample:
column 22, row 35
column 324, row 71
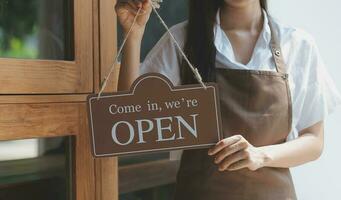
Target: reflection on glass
column 148, row 157
column 36, row 29
column 172, row 11
column 36, row 169
column 164, row 192
column 160, row 192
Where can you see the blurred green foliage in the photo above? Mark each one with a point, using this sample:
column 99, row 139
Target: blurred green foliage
column 18, row 28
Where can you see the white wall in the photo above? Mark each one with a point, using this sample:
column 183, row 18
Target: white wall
column 320, row 180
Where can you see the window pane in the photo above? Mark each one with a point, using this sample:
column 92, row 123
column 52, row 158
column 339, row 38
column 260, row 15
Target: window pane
column 36, row 29
column 37, row 169
column 172, row 12
column 135, row 159
column 164, row 192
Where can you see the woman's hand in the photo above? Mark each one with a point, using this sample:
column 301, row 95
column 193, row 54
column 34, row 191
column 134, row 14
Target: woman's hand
column 126, row 11
column 236, row 153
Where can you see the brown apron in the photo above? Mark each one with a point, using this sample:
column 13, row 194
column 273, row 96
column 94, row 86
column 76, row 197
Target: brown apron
column 255, row 104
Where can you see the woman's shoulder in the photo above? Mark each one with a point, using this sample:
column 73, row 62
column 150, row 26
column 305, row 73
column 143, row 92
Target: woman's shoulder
column 180, row 28
column 300, row 50
column 292, row 35
column 166, row 45
column 164, row 57
column 179, row 33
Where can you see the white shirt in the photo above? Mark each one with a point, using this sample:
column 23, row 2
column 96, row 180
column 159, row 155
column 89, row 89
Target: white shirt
column 313, row 92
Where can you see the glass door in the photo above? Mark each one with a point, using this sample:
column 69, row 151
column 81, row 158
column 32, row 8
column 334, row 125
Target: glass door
column 46, row 71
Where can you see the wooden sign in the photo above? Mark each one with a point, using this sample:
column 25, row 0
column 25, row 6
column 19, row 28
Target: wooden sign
column 154, row 116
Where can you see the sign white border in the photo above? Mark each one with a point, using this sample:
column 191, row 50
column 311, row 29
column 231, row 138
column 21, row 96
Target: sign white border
column 155, row 149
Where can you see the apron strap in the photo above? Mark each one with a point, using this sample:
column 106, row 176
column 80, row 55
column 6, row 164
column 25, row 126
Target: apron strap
column 276, row 47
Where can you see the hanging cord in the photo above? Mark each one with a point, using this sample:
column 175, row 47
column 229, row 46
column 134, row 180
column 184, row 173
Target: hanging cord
column 194, row 70
column 105, row 81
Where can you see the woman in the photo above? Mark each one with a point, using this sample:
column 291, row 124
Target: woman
column 275, row 94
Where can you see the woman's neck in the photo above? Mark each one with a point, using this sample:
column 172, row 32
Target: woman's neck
column 247, row 18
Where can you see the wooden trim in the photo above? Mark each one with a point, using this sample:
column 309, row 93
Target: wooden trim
column 23, row 76
column 37, row 76
column 96, row 38
column 84, row 44
column 84, row 166
column 147, row 175
column 23, row 121
column 106, row 179
column 24, row 114
column 108, row 42
column 106, row 168
column 19, row 99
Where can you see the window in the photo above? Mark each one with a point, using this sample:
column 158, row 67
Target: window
column 36, row 29
column 46, row 46
column 37, row 168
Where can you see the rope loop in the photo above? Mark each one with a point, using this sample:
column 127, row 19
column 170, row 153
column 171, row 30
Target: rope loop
column 154, row 7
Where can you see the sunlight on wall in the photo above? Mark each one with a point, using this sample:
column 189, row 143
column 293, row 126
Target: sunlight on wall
column 320, row 179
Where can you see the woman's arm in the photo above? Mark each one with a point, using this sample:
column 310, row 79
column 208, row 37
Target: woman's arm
column 130, row 63
column 307, row 147
column 235, row 152
column 126, row 12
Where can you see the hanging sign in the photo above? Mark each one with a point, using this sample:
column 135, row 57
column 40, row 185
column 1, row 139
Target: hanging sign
column 154, row 116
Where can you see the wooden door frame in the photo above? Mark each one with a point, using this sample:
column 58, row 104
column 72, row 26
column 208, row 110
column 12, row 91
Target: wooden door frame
column 63, row 112
column 106, row 169
column 43, row 117
column 31, row 76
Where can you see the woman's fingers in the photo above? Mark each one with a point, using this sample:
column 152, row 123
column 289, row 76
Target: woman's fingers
column 129, row 10
column 239, row 165
column 134, row 4
column 224, row 143
column 122, row 7
column 147, row 5
column 232, row 159
column 144, row 5
column 127, row 6
column 235, row 153
column 227, row 151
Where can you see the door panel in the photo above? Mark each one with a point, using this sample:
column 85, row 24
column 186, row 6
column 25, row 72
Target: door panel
column 43, row 94
column 21, row 121
column 36, row 168
column 34, row 121
column 48, row 51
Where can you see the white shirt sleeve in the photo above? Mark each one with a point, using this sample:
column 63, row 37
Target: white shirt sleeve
column 320, row 94
column 164, row 58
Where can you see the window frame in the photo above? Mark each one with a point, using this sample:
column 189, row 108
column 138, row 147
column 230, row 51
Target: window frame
column 34, row 76
column 47, row 98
